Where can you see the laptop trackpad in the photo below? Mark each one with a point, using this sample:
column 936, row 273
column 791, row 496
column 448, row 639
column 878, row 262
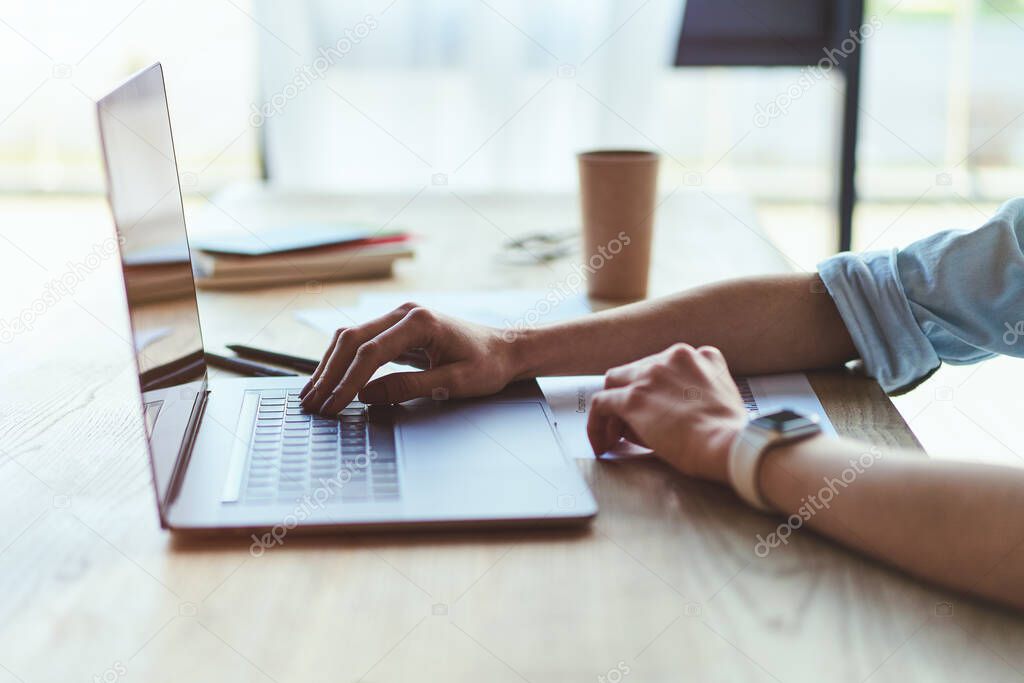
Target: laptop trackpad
column 501, row 456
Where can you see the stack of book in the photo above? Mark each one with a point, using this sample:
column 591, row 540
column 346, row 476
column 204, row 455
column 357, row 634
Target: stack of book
column 157, row 273
column 317, row 252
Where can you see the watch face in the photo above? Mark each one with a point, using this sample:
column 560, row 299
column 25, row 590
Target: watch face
column 783, row 421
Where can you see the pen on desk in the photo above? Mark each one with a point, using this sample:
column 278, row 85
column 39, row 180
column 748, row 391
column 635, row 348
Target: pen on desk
column 303, row 365
column 245, row 367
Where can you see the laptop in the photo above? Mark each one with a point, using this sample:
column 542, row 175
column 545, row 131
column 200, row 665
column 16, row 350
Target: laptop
column 239, row 454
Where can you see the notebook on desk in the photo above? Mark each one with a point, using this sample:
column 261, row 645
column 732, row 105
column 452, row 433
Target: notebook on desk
column 297, row 253
column 296, row 237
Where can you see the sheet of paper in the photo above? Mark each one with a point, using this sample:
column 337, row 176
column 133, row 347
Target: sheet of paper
column 497, row 308
column 790, row 390
column 570, row 398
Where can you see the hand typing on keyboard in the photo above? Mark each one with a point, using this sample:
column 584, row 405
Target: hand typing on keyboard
column 458, row 359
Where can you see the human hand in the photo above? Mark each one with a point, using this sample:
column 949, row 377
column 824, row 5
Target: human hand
column 682, row 403
column 458, row 359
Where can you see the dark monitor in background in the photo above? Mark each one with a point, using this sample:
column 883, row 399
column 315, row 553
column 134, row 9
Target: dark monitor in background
column 784, row 33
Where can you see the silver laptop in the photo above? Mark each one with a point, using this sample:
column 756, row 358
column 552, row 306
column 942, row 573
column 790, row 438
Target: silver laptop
column 240, row 454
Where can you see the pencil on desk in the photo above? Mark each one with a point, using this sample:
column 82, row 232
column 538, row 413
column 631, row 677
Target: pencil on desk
column 304, row 365
column 245, row 367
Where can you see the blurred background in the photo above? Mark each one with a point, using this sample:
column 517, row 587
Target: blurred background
column 411, row 89
column 492, row 95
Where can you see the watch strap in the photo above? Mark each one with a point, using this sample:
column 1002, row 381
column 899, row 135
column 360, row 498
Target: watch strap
column 745, row 458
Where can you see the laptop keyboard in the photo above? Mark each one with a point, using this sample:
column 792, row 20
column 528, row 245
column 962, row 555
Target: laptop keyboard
column 296, row 456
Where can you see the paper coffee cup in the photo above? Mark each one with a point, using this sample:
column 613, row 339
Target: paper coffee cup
column 617, row 199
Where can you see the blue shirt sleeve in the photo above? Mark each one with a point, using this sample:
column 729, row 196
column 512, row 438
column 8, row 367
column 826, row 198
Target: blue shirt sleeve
column 955, row 297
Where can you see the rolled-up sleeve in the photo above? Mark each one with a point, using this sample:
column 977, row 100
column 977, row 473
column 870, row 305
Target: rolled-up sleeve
column 955, row 297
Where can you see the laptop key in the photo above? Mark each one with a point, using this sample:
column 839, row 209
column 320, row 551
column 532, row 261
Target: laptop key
column 324, row 456
column 266, row 438
column 294, row 453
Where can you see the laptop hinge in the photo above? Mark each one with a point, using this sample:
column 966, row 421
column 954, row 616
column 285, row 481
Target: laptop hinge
column 185, row 454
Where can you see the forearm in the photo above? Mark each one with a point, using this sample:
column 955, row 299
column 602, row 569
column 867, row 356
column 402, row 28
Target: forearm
column 957, row 524
column 761, row 324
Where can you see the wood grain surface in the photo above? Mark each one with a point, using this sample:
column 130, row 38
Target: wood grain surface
column 664, row 586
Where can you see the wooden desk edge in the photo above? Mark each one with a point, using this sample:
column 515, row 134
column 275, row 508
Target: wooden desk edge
column 860, row 410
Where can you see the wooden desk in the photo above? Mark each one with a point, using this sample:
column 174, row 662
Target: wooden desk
column 664, row 585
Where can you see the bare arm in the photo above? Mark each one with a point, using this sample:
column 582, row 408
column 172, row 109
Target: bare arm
column 957, row 524
column 775, row 323
column 762, row 324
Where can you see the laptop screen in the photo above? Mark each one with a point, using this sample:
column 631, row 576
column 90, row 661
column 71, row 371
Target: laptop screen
column 145, row 200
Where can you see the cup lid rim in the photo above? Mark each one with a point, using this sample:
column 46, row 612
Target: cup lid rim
column 618, row 155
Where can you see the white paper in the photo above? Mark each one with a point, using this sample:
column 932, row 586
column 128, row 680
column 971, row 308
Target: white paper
column 502, row 308
column 570, row 399
column 791, row 390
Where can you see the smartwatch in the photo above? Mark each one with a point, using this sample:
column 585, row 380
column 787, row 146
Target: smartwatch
column 760, row 434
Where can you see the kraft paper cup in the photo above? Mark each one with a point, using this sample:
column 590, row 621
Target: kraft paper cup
column 617, row 199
